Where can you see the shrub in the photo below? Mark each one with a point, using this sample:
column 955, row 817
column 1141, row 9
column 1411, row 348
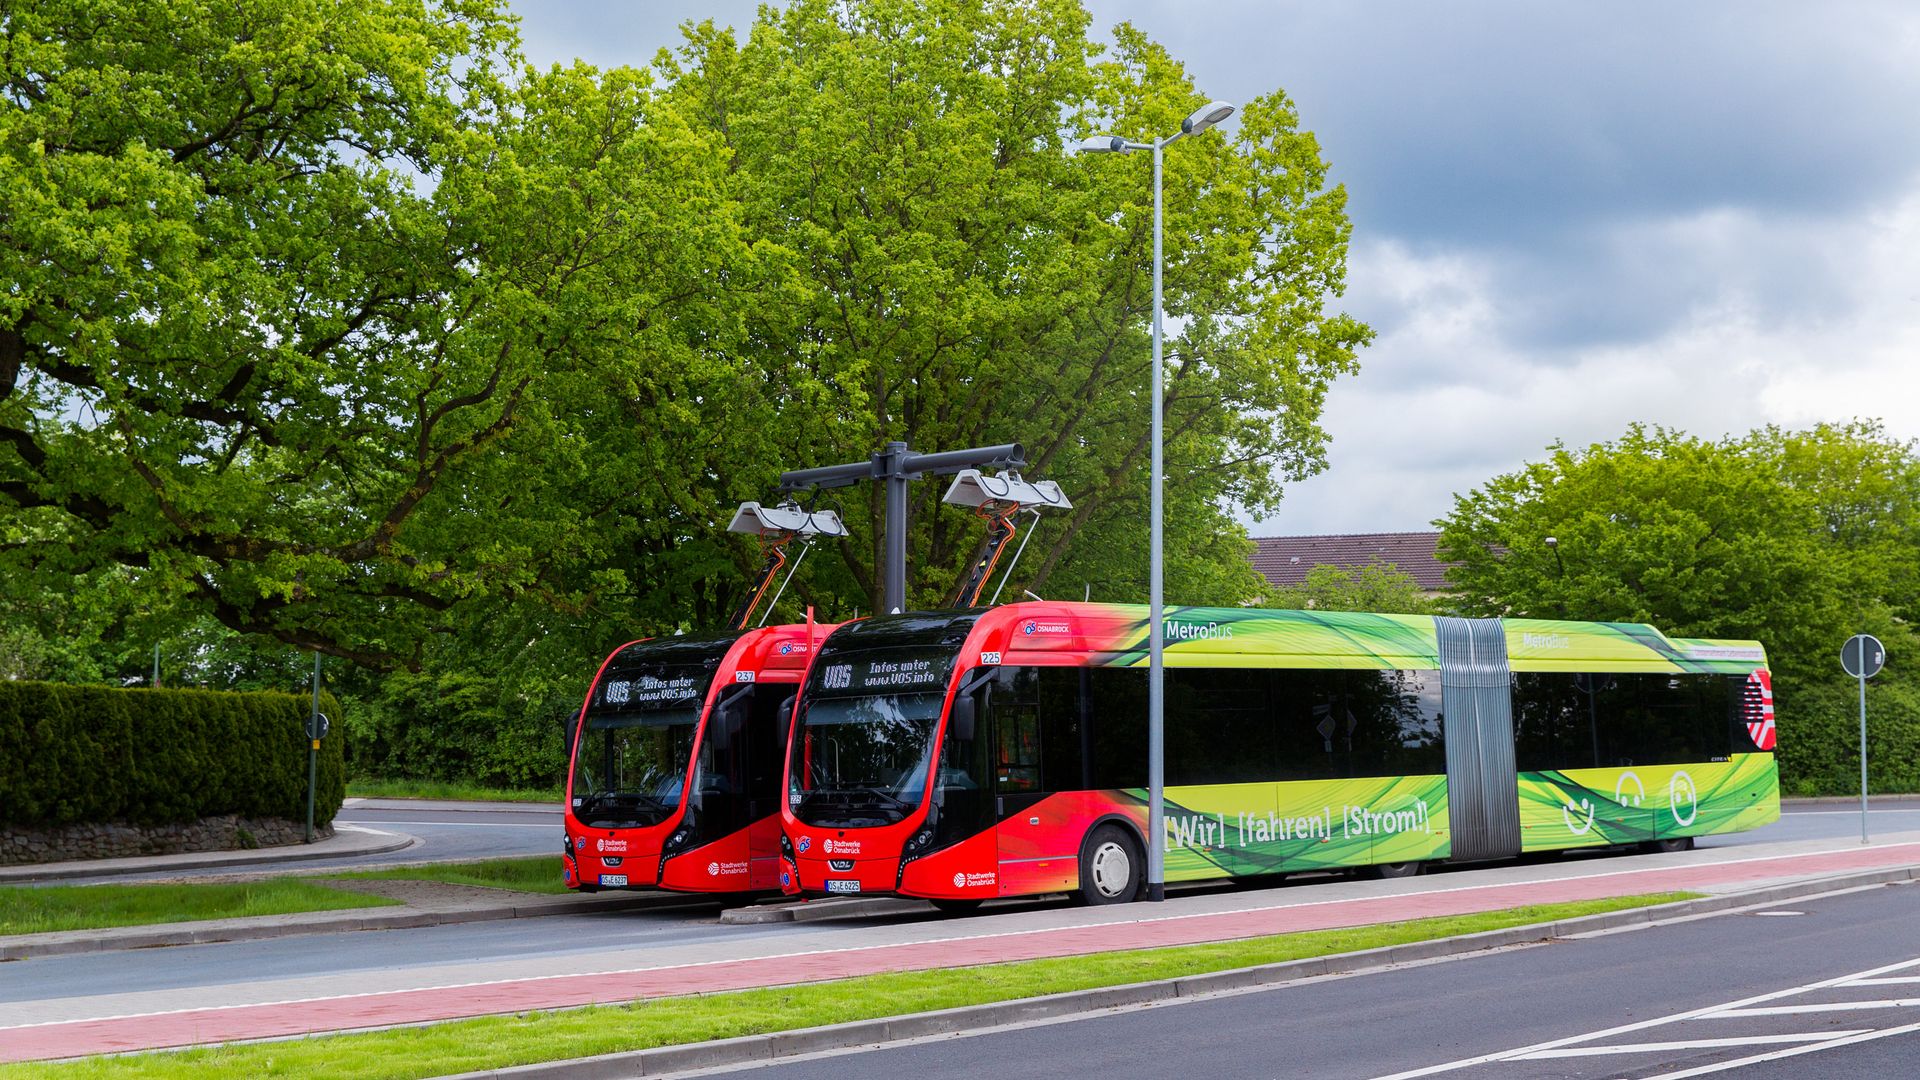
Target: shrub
column 73, row 754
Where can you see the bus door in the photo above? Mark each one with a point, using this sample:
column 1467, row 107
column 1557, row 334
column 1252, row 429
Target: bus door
column 1039, row 831
column 763, row 756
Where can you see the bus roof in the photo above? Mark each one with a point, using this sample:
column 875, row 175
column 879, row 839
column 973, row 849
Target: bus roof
column 1115, row 635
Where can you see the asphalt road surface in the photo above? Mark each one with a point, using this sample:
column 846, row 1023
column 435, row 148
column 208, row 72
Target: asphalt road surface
column 1810, row 988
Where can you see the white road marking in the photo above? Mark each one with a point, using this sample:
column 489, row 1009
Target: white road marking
column 1897, row 980
column 1813, row 1048
column 1642, row 1025
column 1689, row 1044
column 555, row 827
column 1821, row 1007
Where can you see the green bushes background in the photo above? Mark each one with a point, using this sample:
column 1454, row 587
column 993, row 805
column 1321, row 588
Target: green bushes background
column 73, row 754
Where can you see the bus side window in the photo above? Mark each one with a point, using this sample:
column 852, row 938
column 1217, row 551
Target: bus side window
column 1016, row 730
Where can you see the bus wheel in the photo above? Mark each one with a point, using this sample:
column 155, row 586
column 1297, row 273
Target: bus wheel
column 1110, row 867
column 1676, row 843
column 957, row 907
column 1395, row 869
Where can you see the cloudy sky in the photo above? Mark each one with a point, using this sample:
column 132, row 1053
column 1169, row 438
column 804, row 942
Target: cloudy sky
column 1567, row 217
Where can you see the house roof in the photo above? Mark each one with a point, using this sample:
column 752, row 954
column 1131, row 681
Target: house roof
column 1285, row 560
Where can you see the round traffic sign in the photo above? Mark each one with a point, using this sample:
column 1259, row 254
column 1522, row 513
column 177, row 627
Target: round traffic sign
column 1863, row 656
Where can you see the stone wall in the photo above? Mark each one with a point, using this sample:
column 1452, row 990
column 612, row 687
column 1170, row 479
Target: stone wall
column 21, row 844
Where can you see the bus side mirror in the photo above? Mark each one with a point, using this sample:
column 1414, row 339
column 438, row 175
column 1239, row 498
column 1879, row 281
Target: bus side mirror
column 726, row 722
column 966, row 708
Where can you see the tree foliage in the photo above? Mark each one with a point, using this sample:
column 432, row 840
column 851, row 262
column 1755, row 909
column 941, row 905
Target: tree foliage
column 325, row 328
column 1798, row 539
column 1376, row 587
column 960, row 280
column 332, row 325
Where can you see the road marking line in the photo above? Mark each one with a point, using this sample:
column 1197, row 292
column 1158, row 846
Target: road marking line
column 553, row 825
column 1897, row 980
column 1642, row 1025
column 1821, row 1007
column 1689, row 1044
column 1793, row 1052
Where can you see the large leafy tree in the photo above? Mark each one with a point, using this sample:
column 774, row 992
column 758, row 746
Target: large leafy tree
column 1796, row 539
column 323, row 329
column 959, row 280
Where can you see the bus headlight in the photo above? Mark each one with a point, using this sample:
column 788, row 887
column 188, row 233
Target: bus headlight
column 681, row 840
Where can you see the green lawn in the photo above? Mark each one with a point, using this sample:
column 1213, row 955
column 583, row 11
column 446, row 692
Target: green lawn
column 375, row 788
column 536, row 873
column 500, row 1041
column 35, row 909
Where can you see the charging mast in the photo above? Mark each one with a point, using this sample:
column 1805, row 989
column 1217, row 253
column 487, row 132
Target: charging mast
column 896, row 465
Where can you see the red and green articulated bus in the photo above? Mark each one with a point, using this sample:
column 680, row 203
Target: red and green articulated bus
column 677, row 759
column 964, row 755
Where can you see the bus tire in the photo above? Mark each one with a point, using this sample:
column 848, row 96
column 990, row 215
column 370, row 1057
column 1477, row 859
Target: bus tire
column 957, row 907
column 1111, row 868
column 1669, row 845
column 1387, row 870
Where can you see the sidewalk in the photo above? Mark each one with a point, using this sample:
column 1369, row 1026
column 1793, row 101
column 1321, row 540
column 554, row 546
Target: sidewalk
column 119, row 1023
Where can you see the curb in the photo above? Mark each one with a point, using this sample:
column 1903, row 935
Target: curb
column 760, row 1049
column 31, row 873
column 1849, row 800
column 23, row 947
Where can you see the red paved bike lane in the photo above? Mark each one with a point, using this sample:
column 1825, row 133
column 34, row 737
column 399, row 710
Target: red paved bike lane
column 186, row 1027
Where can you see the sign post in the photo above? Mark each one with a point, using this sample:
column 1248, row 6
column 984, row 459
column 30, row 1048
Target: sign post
column 317, row 725
column 1862, row 657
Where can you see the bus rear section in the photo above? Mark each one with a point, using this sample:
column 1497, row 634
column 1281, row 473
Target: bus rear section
column 675, row 780
column 962, row 756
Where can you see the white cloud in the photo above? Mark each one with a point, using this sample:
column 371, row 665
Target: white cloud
column 1788, row 321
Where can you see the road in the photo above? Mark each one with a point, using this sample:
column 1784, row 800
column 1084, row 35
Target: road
column 686, row 931
column 1829, row 987
column 624, row 939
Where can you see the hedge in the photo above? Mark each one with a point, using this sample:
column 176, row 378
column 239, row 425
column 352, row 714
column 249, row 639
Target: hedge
column 72, row 754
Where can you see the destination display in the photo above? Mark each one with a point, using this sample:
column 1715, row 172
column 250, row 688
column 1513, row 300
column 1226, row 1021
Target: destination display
column 886, row 671
column 653, row 688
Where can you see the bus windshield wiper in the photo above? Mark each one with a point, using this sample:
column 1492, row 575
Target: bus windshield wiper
column 611, row 798
column 851, row 796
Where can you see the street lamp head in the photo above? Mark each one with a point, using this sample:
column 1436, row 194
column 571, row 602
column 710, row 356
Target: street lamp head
column 1102, row 144
column 1205, row 117
column 1552, row 543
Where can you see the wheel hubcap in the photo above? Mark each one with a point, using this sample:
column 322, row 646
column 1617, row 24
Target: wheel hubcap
column 1112, row 869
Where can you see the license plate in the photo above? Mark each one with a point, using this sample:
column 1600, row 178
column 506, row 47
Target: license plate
column 843, row 886
column 613, row 879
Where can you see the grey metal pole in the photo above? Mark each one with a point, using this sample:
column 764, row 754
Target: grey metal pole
column 1863, row 744
column 1156, row 601
column 313, row 747
column 156, row 667
column 894, row 575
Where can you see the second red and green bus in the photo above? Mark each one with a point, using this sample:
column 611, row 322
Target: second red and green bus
column 966, row 755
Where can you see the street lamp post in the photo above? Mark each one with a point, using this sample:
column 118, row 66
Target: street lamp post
column 1207, row 116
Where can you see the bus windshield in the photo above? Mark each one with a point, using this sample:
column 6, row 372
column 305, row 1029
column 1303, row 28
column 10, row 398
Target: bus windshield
column 637, row 742
column 862, row 761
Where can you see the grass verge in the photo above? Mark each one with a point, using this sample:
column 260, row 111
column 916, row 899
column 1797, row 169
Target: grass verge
column 536, row 874
column 500, row 1041
column 38, row 909
column 375, row 788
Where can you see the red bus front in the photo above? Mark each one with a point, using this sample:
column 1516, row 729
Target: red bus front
column 873, row 805
column 675, row 779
